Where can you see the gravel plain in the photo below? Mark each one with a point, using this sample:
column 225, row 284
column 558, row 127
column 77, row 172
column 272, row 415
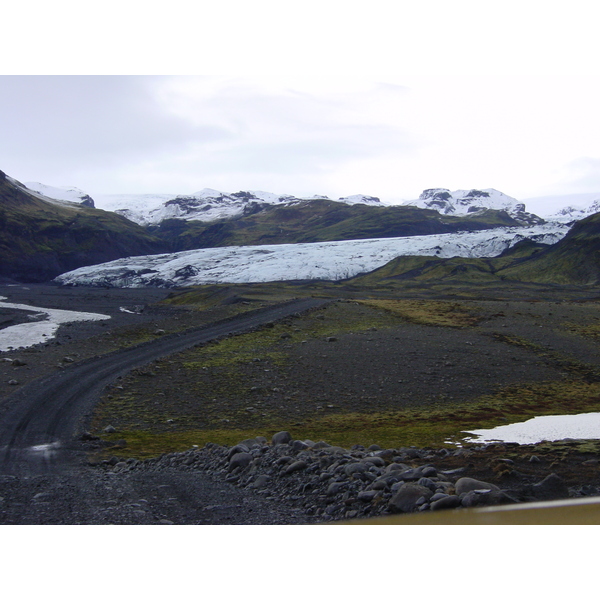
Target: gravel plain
column 374, row 368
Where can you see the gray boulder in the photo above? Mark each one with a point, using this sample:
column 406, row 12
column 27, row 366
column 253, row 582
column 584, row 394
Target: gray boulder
column 282, row 437
column 240, row 460
column 550, row 488
column 406, row 499
column 485, row 498
column 298, row 465
column 467, row 484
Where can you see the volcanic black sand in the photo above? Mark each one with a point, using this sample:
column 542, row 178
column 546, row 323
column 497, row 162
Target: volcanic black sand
column 345, row 358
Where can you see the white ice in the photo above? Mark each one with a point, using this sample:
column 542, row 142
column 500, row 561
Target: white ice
column 281, row 262
column 25, row 335
column 550, row 428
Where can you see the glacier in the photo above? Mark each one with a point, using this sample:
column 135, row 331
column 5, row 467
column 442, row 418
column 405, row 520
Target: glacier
column 331, row 261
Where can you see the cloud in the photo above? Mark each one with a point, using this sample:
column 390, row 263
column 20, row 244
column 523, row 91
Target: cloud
column 72, row 122
column 583, row 174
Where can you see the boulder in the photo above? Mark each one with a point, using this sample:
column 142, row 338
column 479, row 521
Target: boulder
column 550, row 488
column 282, row 437
column 297, row 465
column 485, row 498
column 467, row 484
column 406, row 499
column 240, row 460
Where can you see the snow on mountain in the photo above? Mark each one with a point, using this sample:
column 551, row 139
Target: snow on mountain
column 361, row 199
column 464, row 202
column 62, row 194
column 205, row 205
column 567, row 208
column 323, row 260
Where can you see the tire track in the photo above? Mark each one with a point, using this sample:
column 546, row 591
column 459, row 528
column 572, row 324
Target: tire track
column 46, row 413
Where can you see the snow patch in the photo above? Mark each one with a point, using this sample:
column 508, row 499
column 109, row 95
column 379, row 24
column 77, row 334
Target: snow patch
column 25, row 335
column 549, row 428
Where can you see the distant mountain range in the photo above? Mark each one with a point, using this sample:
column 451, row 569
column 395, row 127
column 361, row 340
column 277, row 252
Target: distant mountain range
column 47, row 231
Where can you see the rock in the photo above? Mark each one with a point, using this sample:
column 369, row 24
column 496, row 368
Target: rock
column 485, row 498
column 445, row 502
column 17, row 362
column 396, row 468
column 238, row 448
column 367, row 495
column 13, row 382
column 260, row 482
column 297, row 445
column 550, row 488
column 467, row 484
column 282, row 437
column 335, row 487
column 250, row 443
column 298, row 465
column 321, row 444
column 353, row 468
column 377, row 461
column 407, row 498
column 428, row 483
column 332, row 339
column 109, row 429
column 240, row 460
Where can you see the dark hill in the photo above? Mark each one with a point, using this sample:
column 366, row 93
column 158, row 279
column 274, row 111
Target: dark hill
column 573, row 260
column 322, row 221
column 39, row 239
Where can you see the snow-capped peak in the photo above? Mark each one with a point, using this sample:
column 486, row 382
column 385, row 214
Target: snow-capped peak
column 463, row 202
column 361, row 199
column 576, row 212
column 62, row 194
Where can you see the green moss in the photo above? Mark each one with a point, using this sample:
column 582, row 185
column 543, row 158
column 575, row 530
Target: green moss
column 428, row 312
column 433, row 426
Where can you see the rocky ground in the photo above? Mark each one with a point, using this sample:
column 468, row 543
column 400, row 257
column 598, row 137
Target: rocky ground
column 312, row 368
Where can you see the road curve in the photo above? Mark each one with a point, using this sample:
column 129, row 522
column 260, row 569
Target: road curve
column 45, row 414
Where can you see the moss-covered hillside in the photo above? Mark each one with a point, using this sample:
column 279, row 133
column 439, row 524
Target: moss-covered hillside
column 39, row 240
column 573, row 260
column 322, row 221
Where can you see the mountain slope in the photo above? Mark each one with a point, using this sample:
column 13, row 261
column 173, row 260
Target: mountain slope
column 573, row 260
column 322, row 221
column 40, row 238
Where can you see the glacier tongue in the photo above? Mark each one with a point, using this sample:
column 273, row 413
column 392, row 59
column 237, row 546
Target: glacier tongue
column 320, row 261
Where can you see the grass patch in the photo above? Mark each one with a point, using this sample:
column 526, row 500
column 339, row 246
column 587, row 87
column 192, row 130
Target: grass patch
column 422, row 427
column 428, row 312
column 590, row 330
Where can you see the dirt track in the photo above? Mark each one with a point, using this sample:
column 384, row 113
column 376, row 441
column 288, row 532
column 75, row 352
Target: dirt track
column 49, row 410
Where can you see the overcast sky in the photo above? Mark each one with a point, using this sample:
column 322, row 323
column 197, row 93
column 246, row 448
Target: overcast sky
column 336, row 98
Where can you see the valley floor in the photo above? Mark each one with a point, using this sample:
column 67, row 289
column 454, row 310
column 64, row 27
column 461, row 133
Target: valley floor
column 390, row 371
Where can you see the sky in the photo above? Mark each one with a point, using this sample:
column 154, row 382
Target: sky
column 333, row 98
